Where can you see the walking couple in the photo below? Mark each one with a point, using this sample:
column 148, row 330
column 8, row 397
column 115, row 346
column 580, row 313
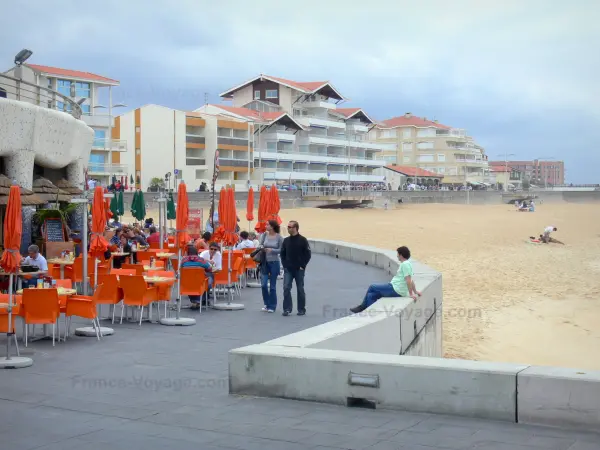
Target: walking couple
column 295, row 255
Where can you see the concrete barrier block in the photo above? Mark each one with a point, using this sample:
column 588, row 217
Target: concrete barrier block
column 431, row 385
column 559, row 397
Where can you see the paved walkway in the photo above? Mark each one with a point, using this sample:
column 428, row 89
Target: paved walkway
column 158, row 387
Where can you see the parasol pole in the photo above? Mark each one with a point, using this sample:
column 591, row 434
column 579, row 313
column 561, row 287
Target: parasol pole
column 10, row 302
column 179, row 284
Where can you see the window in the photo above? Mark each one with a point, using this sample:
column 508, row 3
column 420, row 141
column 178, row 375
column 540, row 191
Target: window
column 441, row 169
column 97, row 158
column 407, row 146
column 82, row 89
column 425, row 158
column 256, row 95
column 296, row 112
column 85, row 109
column 424, row 145
column 426, row 132
column 406, row 159
column 271, row 145
column 271, row 93
column 200, row 174
column 441, row 157
column 99, row 138
column 389, row 159
column 406, row 134
column 62, row 107
column 388, row 133
column 64, row 87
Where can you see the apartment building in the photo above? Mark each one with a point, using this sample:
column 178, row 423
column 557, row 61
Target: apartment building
column 537, row 172
column 430, row 145
column 184, row 143
column 86, row 89
column 312, row 139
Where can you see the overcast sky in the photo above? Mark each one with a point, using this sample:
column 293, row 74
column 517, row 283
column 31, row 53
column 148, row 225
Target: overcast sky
column 522, row 77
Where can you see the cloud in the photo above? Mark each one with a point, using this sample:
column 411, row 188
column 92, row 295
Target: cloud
column 510, row 72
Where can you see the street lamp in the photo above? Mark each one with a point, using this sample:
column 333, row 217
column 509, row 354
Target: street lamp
column 22, row 56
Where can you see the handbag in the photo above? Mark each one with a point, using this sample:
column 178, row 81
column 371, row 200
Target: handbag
column 256, row 255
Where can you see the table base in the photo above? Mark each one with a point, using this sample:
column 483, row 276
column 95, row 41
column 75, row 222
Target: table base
column 228, row 306
column 91, row 331
column 17, row 362
column 173, row 321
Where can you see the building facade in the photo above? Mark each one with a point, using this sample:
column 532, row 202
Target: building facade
column 85, row 89
column 403, row 177
column 320, row 141
column 438, row 148
column 538, row 172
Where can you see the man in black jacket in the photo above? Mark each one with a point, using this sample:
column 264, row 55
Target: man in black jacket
column 295, row 255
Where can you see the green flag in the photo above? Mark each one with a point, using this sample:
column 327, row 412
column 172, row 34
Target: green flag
column 171, row 215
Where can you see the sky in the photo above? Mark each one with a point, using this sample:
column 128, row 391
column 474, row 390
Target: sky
column 522, row 77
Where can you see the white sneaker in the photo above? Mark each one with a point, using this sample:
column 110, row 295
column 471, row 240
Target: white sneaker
column 264, row 309
column 270, row 311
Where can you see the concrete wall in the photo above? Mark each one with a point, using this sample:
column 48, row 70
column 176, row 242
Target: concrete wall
column 319, row 363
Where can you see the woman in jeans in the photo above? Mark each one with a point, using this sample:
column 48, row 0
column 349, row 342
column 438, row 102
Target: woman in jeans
column 271, row 242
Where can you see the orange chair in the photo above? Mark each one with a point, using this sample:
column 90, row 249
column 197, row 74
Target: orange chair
column 137, row 293
column 193, row 282
column 109, row 292
column 83, row 306
column 144, row 255
column 62, row 299
column 164, row 289
column 119, row 272
column 221, row 277
column 138, row 268
column 175, row 264
column 16, row 310
column 41, row 307
column 54, row 271
column 155, row 245
column 75, row 272
column 249, row 264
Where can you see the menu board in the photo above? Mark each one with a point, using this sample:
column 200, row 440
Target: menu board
column 54, row 230
column 194, row 227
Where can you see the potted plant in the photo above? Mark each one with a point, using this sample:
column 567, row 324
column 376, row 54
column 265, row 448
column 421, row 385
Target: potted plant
column 156, row 183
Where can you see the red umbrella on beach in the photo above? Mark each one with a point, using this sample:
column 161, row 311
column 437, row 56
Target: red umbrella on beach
column 250, row 205
column 98, row 244
column 263, row 202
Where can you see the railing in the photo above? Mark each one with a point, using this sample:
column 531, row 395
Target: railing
column 191, row 139
column 16, row 89
column 119, row 145
column 333, row 190
column 107, row 168
column 324, row 155
column 234, row 163
column 195, row 162
column 233, row 141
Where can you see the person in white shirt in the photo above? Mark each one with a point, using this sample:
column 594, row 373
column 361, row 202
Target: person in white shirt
column 546, row 235
column 213, row 255
column 244, row 241
column 34, row 259
column 254, row 239
column 91, row 184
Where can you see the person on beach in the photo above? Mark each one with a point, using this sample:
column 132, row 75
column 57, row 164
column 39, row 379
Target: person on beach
column 270, row 242
column 546, row 234
column 295, row 256
column 402, row 285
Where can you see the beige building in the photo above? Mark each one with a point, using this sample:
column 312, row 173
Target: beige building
column 438, row 148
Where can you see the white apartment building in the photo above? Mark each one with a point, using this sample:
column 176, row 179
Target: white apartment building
column 438, row 148
column 84, row 87
column 315, row 139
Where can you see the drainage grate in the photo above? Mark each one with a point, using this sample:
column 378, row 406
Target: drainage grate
column 353, row 402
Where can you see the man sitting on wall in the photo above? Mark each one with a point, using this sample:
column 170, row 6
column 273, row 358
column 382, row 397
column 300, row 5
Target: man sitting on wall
column 402, row 285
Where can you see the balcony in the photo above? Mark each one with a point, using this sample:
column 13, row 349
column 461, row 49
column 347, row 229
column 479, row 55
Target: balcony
column 194, row 139
column 326, row 140
column 318, row 104
column 317, row 158
column 356, row 127
column 107, row 169
column 280, row 136
column 97, row 120
column 234, row 163
column 314, row 175
column 196, row 162
column 224, row 142
column 114, row 145
column 321, row 122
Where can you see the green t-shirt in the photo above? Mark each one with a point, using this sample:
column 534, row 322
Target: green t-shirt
column 399, row 280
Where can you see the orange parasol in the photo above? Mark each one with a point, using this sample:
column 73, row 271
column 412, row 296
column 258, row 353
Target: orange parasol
column 263, row 202
column 182, row 216
column 274, row 205
column 250, row 205
column 108, row 213
column 98, row 244
column 219, row 232
column 13, row 229
column 230, row 220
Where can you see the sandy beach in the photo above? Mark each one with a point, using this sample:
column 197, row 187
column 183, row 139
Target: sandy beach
column 504, row 299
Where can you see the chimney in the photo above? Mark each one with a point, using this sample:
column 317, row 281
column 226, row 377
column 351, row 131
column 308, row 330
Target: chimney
column 408, row 115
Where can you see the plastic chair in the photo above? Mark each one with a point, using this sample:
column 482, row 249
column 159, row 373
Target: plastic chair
column 144, row 255
column 83, row 306
column 164, row 289
column 137, row 293
column 138, row 268
column 41, row 308
column 124, row 272
column 175, row 264
column 249, row 264
column 16, row 310
column 109, row 292
column 54, row 271
column 193, row 282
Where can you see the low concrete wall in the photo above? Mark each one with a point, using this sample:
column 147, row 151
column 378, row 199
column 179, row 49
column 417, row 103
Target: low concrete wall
column 560, row 397
column 322, row 363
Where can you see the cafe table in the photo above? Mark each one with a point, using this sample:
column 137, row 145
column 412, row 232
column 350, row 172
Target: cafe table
column 62, row 262
column 20, row 274
column 112, row 262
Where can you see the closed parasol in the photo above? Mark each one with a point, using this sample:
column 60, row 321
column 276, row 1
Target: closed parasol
column 274, row 205
column 263, row 202
column 98, row 244
column 250, row 205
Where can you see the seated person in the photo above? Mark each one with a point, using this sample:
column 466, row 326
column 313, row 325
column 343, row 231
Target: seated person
column 402, row 285
column 149, row 223
column 154, row 237
column 202, row 243
column 252, row 236
column 123, row 247
column 245, row 241
column 34, row 259
column 213, row 256
column 193, row 260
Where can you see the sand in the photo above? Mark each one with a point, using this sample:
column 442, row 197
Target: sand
column 504, row 299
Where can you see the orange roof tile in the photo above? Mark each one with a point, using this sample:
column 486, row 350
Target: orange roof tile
column 411, row 171
column 71, row 73
column 302, row 85
column 496, row 168
column 403, row 121
column 251, row 114
column 347, row 111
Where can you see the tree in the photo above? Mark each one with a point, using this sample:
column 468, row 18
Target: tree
column 157, row 182
column 526, row 184
column 323, row 181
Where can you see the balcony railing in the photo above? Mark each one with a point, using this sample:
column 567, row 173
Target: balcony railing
column 191, row 139
column 107, row 168
column 115, row 145
column 242, row 142
column 195, row 162
column 234, row 162
column 16, row 89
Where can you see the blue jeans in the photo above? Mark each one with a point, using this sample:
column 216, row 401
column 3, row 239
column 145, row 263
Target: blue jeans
column 289, row 276
column 268, row 283
column 377, row 291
